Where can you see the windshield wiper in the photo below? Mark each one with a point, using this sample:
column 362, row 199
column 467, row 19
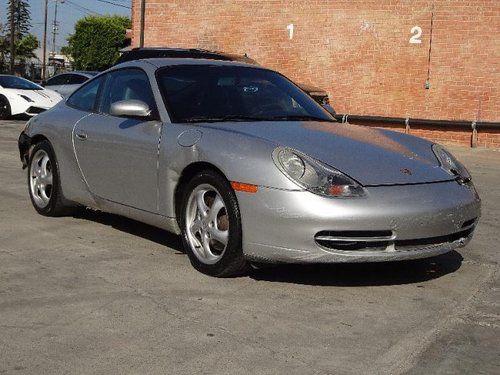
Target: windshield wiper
column 224, row 118
column 252, row 118
column 299, row 118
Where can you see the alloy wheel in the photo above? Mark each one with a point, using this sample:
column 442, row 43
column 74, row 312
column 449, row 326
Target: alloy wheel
column 41, row 178
column 207, row 224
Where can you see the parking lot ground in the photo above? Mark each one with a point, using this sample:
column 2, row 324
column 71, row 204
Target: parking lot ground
column 103, row 294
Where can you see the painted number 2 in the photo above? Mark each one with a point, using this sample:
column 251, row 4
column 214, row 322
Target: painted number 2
column 417, row 33
column 290, row 31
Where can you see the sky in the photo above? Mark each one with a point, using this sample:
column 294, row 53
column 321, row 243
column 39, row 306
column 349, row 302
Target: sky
column 68, row 12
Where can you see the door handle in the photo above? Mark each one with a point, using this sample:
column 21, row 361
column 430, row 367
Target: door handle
column 81, row 136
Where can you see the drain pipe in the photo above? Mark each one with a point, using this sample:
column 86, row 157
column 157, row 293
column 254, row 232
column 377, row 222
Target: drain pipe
column 143, row 16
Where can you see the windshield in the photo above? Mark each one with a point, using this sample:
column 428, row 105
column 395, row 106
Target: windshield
column 11, row 82
column 204, row 93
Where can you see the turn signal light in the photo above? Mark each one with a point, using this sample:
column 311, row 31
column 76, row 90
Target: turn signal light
column 247, row 188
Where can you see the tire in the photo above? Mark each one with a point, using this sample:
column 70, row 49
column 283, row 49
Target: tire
column 43, row 181
column 211, row 226
column 5, row 109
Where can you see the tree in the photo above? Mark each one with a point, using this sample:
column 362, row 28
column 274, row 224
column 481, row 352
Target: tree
column 97, row 40
column 4, row 48
column 21, row 17
column 25, row 47
column 24, row 43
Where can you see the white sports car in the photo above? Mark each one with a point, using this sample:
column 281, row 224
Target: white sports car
column 20, row 96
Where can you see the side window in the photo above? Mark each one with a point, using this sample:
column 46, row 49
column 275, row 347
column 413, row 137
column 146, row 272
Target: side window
column 127, row 84
column 57, row 80
column 85, row 97
column 76, row 79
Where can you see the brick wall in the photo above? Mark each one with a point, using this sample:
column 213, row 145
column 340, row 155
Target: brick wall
column 357, row 50
column 484, row 138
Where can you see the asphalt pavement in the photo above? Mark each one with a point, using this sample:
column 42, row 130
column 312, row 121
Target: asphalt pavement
column 101, row 294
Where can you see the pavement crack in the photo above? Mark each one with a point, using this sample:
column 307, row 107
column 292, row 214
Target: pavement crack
column 405, row 354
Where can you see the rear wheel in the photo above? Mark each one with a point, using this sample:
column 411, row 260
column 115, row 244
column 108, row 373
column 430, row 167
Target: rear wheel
column 43, row 181
column 5, row 110
column 211, row 226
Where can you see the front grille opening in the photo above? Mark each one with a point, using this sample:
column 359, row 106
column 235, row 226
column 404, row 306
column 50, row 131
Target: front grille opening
column 469, row 223
column 350, row 240
column 380, row 240
column 434, row 240
column 355, row 233
column 35, row 110
column 353, row 246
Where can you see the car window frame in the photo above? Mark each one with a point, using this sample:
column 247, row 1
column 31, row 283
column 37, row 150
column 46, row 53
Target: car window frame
column 62, row 75
column 98, row 94
column 155, row 116
column 81, row 76
column 167, row 104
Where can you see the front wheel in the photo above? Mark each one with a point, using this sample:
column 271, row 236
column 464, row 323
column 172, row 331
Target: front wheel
column 43, row 181
column 211, row 226
column 5, row 110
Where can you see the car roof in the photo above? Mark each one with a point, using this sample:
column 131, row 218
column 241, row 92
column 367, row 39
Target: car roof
column 162, row 62
column 85, row 73
column 185, row 53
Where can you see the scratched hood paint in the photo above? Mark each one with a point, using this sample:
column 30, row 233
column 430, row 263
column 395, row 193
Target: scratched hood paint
column 369, row 155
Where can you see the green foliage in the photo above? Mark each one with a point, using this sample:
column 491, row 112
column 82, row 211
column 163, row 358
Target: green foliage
column 97, row 40
column 26, row 46
column 21, row 17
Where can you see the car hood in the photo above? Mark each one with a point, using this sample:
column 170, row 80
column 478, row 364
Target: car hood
column 41, row 98
column 369, row 155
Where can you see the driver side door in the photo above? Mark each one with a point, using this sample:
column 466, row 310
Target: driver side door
column 118, row 156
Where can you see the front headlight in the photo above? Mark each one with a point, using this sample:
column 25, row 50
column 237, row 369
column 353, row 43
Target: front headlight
column 449, row 163
column 314, row 176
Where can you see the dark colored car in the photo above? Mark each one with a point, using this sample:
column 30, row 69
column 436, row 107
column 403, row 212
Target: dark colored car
column 319, row 95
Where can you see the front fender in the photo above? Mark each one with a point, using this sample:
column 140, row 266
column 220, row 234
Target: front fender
column 240, row 157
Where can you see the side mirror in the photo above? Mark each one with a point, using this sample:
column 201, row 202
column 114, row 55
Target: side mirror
column 329, row 108
column 130, row 108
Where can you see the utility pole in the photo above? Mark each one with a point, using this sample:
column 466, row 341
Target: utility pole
column 44, row 43
column 55, row 27
column 13, row 4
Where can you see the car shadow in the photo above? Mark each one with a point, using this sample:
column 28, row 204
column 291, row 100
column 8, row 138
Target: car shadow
column 362, row 274
column 21, row 116
column 351, row 274
column 136, row 228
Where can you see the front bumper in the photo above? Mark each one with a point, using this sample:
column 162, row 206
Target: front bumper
column 24, row 144
column 395, row 223
column 34, row 110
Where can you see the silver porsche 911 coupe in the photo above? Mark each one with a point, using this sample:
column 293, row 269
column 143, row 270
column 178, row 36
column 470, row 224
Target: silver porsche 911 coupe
column 246, row 166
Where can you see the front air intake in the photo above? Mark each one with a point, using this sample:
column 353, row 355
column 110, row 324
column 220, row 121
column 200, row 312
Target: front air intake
column 355, row 240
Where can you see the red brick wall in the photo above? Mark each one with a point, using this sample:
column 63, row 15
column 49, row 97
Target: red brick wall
column 484, row 138
column 358, row 50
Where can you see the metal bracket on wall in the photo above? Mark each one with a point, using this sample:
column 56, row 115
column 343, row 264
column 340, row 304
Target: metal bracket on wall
column 473, row 142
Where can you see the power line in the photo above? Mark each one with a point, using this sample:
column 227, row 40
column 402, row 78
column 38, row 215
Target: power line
column 115, row 4
column 83, row 9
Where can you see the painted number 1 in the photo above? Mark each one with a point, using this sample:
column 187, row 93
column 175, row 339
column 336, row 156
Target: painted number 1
column 290, row 31
column 417, row 33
